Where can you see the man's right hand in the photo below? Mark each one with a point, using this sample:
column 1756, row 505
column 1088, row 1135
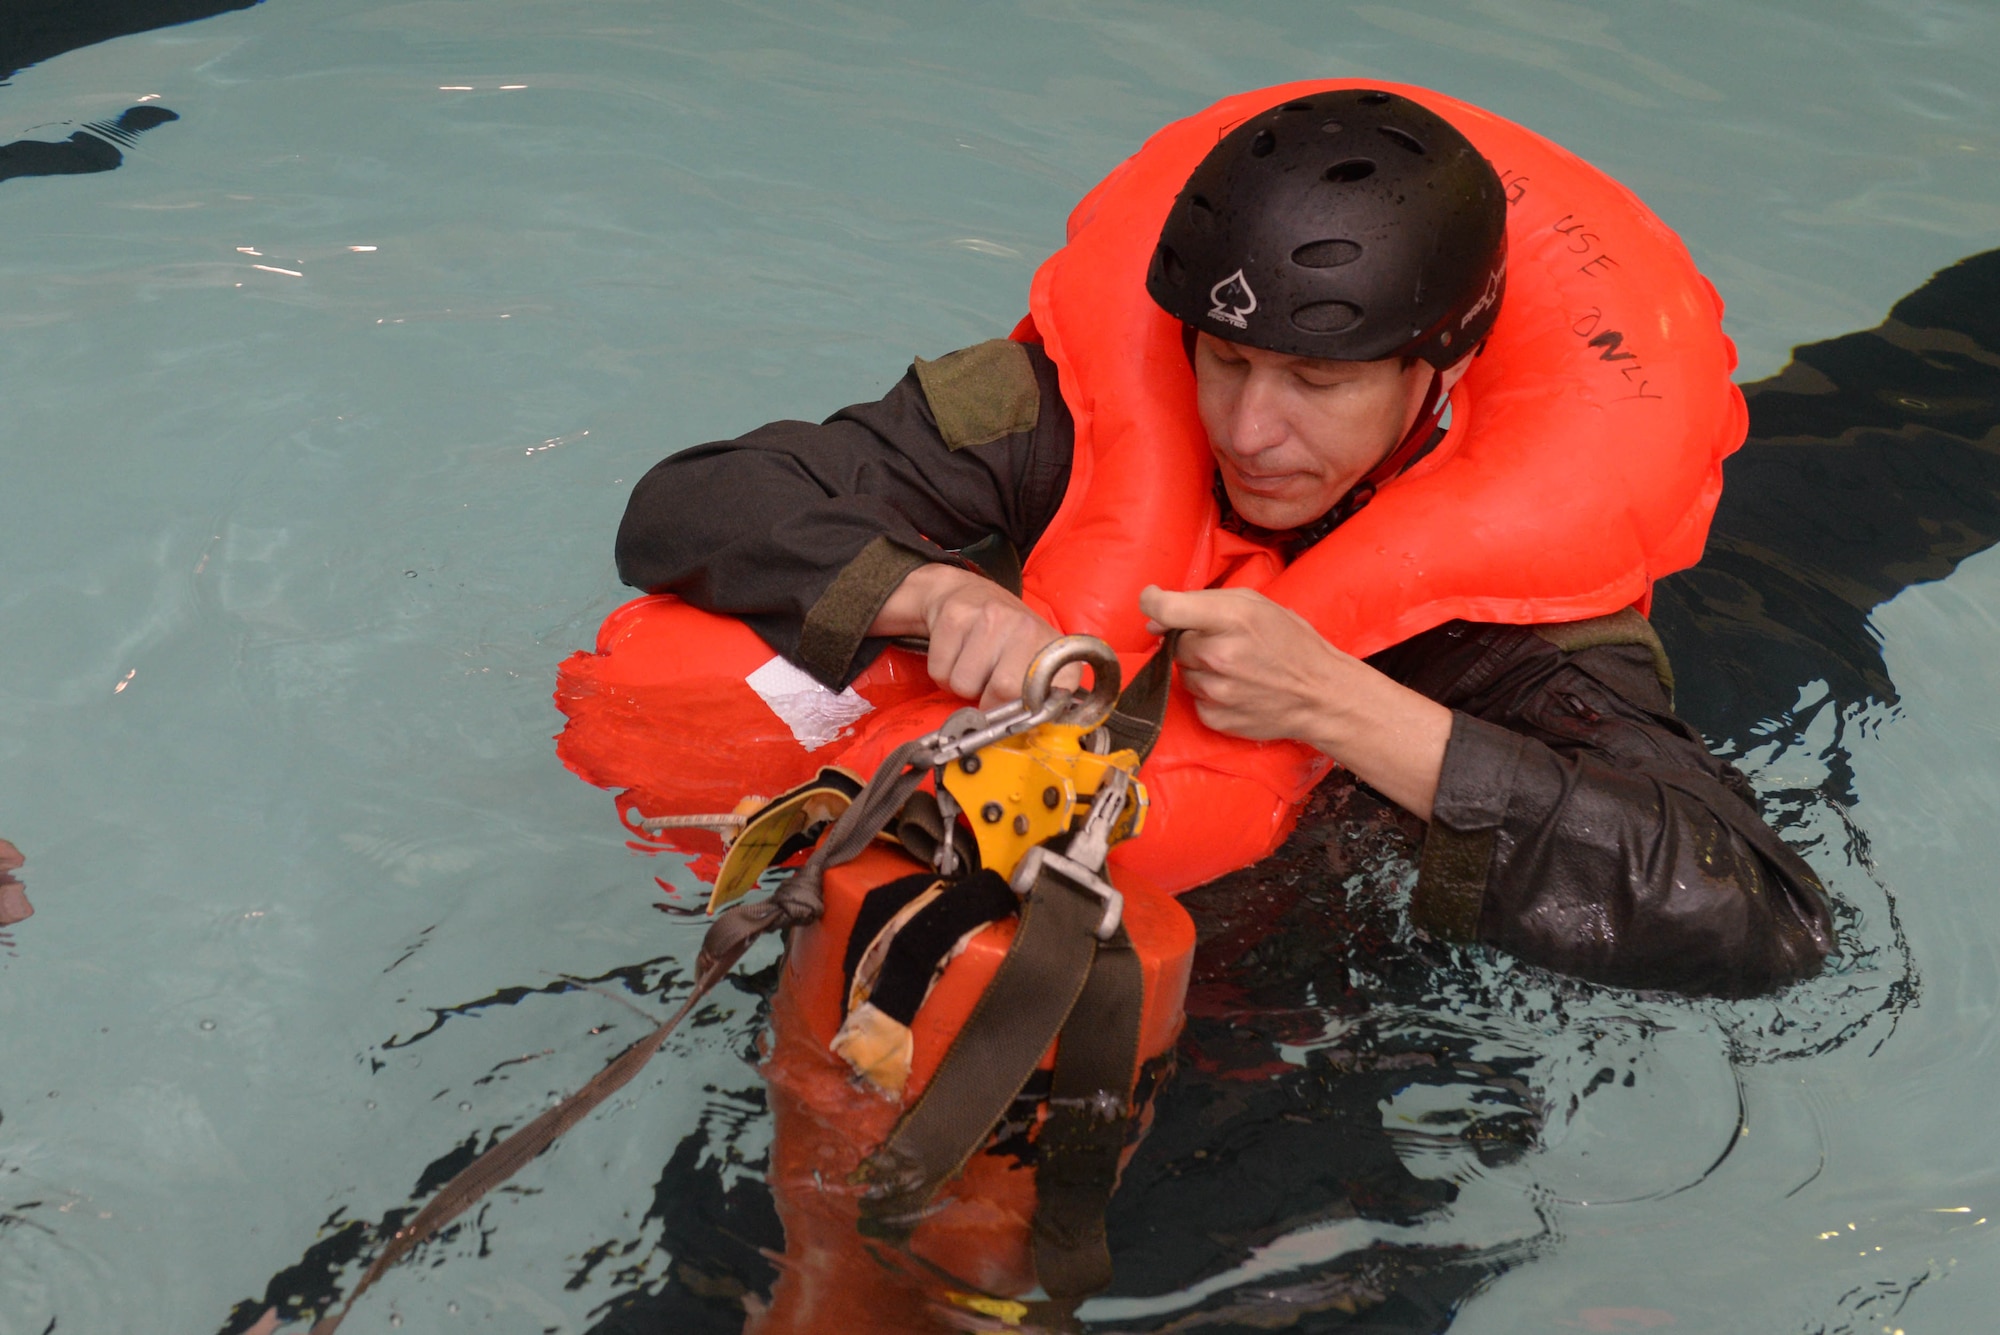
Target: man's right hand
column 982, row 637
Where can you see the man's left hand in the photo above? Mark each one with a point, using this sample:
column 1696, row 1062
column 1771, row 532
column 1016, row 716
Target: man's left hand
column 1255, row 669
column 1260, row 671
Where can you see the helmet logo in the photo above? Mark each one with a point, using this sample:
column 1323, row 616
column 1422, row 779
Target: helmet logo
column 1486, row 298
column 1233, row 301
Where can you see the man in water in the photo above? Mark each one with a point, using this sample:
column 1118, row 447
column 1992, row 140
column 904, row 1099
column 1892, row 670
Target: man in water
column 1573, row 819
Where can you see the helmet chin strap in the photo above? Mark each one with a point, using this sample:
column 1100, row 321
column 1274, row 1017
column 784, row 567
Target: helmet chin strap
column 1417, row 441
column 1395, row 461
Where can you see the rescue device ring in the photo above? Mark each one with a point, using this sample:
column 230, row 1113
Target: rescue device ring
column 1089, row 708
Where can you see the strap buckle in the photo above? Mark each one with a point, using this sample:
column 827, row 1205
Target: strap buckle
column 1039, row 861
column 1087, row 848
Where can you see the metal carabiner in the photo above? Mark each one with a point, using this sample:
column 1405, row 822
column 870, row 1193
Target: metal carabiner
column 970, row 729
column 1082, row 711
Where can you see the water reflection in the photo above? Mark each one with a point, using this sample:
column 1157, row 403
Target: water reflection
column 32, row 31
column 1273, row 1131
column 1364, row 1129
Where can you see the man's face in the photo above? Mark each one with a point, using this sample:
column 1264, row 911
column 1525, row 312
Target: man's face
column 1291, row 435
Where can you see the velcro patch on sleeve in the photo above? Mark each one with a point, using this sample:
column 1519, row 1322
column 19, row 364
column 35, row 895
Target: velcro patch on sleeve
column 982, row 393
column 1619, row 628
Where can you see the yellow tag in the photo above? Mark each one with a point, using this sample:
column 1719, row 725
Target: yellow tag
column 1004, row 1309
column 754, row 849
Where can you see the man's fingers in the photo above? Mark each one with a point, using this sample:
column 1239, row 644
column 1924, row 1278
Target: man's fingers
column 1011, row 670
column 1202, row 610
column 1179, row 611
column 978, row 672
column 982, row 640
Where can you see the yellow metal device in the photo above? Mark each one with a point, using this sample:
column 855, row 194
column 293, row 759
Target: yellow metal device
column 1022, row 791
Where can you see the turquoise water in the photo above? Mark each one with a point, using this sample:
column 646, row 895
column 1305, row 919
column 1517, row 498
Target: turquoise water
column 319, row 413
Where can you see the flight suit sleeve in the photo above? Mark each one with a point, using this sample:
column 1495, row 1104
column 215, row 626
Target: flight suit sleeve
column 803, row 530
column 1579, row 824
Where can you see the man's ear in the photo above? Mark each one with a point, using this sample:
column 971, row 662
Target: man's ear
column 1449, row 377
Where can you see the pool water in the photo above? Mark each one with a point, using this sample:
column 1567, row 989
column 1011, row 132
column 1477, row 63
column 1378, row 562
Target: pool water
column 320, row 404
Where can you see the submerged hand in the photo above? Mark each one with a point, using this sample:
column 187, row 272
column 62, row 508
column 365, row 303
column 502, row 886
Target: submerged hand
column 1260, row 671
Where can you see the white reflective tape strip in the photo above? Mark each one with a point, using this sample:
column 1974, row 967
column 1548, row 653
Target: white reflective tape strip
column 816, row 715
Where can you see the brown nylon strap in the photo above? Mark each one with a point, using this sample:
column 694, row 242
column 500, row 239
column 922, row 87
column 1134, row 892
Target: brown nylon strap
column 919, row 827
column 514, row 1153
column 1141, row 710
column 1001, row 1043
column 1090, row 1115
column 731, row 935
column 800, row 899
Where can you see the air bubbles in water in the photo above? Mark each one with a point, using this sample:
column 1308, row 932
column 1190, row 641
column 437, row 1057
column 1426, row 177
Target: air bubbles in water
column 464, row 1106
column 208, row 1024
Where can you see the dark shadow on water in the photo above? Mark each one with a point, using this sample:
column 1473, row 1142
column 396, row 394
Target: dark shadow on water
column 91, row 149
column 32, row 31
column 1873, row 464
column 1249, row 1147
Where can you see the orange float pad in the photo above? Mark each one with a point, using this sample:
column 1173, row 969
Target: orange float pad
column 1162, row 935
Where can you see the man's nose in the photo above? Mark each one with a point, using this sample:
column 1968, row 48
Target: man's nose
column 1258, row 422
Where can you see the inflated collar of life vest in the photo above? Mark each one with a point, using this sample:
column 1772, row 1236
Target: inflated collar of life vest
column 1584, row 461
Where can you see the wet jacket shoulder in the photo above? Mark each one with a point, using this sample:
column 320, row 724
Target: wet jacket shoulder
column 804, row 529
column 1581, row 825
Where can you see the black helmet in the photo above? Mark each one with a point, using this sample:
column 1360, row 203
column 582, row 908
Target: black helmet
column 1353, row 225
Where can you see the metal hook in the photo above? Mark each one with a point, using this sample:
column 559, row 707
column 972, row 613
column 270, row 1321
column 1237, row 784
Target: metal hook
column 1090, row 708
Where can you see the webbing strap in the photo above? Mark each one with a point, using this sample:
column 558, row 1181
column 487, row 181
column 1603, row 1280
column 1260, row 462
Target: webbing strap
column 800, row 899
column 518, row 1150
column 1141, row 710
column 1017, row 1017
column 1090, row 1115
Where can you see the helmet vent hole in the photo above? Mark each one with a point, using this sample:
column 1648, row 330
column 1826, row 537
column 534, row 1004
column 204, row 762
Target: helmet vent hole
column 1262, row 144
column 1372, row 99
column 1201, row 212
column 1297, row 106
column 1350, row 171
column 1326, row 254
column 1327, row 317
column 1168, row 265
column 1402, row 139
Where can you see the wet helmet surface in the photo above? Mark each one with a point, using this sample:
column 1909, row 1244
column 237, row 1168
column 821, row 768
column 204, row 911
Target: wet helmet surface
column 1353, row 225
